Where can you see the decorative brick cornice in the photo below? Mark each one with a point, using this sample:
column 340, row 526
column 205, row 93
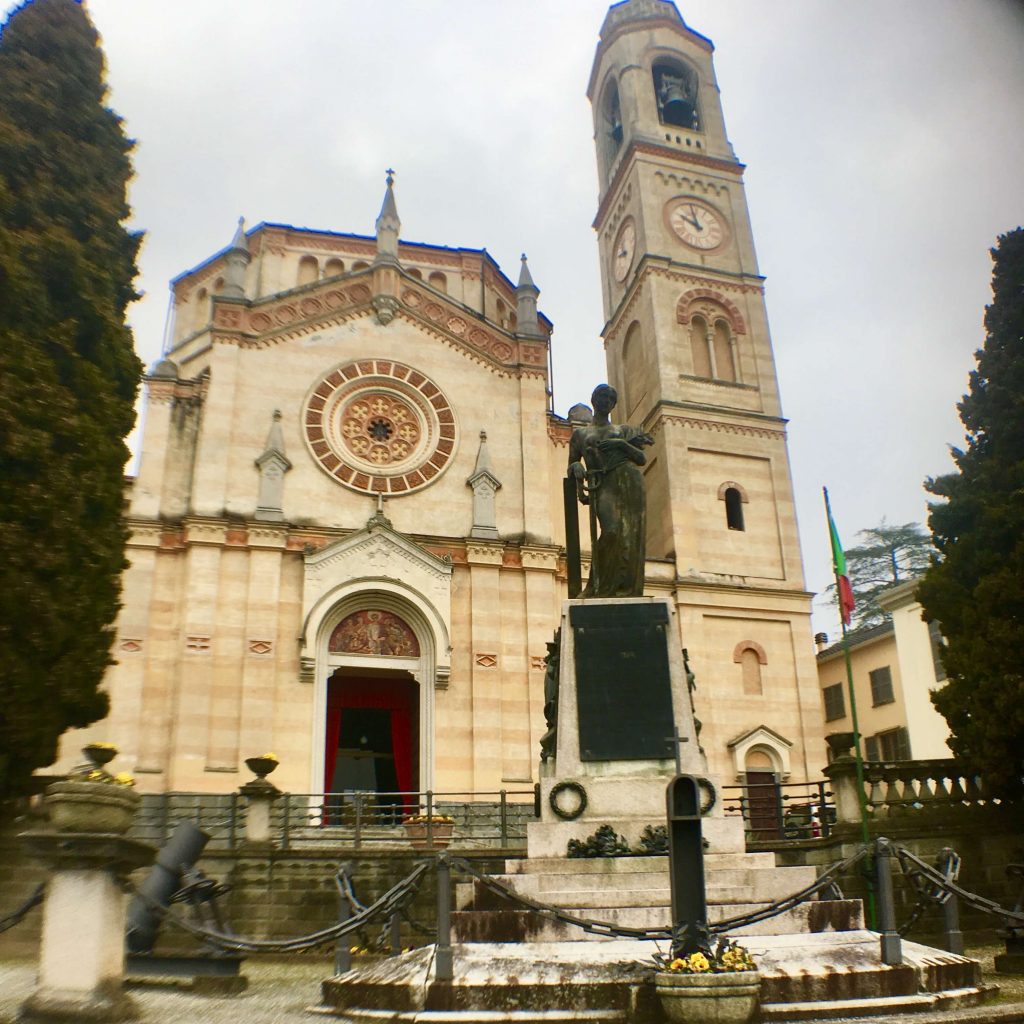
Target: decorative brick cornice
column 688, row 300
column 716, row 163
column 481, row 553
column 717, row 426
column 545, row 559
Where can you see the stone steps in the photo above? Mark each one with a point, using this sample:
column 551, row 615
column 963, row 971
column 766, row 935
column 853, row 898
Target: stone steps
column 617, row 865
column 503, row 925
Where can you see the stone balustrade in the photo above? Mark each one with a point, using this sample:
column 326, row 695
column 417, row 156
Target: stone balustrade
column 895, row 788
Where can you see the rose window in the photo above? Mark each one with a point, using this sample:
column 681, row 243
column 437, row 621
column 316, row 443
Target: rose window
column 382, row 427
column 379, row 427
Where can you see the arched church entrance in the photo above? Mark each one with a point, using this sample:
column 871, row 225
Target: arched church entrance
column 372, row 732
column 372, row 708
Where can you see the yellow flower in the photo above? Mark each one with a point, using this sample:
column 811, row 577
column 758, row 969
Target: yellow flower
column 124, row 779
column 699, row 962
column 677, row 965
column 270, row 756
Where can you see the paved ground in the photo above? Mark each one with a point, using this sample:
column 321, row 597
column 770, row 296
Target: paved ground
column 280, row 991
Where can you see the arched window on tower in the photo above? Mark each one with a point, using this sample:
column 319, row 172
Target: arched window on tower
column 438, row 280
column 633, row 375
column 611, row 127
column 202, row 310
column 725, row 367
column 675, row 89
column 750, row 656
column 333, row 267
column 700, row 347
column 309, row 270
column 734, row 497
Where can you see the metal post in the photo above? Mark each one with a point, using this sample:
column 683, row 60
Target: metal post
column 342, row 951
column 395, row 933
column 357, row 801
column 951, row 925
column 443, row 966
column 430, row 819
column 285, row 820
column 891, row 947
column 826, row 827
column 233, row 821
column 780, row 811
column 503, row 811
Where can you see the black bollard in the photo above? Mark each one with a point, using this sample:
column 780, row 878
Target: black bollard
column 891, row 946
column 342, row 949
column 686, row 865
column 180, row 852
column 443, row 965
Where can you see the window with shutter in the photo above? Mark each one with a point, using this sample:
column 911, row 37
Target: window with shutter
column 835, row 705
column 871, row 748
column 881, row 686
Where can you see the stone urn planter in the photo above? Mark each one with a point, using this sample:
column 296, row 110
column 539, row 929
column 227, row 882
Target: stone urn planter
column 79, row 806
column 438, row 837
column 728, row 998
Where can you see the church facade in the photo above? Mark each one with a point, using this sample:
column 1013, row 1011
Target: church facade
column 348, row 540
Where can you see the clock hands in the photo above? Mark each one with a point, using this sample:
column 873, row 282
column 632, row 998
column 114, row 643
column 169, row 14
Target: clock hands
column 692, row 219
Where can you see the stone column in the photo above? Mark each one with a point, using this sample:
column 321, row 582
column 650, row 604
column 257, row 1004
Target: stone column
column 81, row 952
column 258, row 827
column 842, row 773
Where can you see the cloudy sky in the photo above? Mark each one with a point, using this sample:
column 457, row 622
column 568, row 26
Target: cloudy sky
column 884, row 145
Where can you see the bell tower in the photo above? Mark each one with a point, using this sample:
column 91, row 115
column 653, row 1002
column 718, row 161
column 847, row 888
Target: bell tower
column 688, row 349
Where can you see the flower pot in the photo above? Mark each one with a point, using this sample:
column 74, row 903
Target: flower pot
column 729, row 998
column 91, row 806
column 261, row 767
column 439, row 837
column 99, row 754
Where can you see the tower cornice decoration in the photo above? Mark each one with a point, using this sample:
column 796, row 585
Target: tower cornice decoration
column 624, row 164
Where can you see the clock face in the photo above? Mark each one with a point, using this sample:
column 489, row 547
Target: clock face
column 696, row 224
column 623, row 250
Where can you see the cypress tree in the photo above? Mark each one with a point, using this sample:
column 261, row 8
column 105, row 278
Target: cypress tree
column 975, row 590
column 69, row 379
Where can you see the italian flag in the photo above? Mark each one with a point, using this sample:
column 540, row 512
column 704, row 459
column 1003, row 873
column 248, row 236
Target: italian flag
column 846, row 602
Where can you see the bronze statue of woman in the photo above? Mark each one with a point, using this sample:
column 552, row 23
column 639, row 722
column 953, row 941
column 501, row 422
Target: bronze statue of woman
column 605, row 460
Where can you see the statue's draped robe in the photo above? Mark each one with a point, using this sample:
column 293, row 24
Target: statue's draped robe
column 618, row 560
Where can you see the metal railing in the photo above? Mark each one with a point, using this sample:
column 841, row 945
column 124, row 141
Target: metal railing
column 361, row 820
column 220, row 815
column 354, row 820
column 782, row 810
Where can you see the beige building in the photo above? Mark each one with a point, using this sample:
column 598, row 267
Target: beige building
column 895, row 668
column 347, row 528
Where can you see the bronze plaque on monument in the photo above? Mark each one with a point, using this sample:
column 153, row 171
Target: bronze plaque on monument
column 623, row 685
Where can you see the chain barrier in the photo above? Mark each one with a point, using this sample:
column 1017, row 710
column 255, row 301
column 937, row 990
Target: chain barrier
column 928, row 894
column 948, row 887
column 19, row 915
column 824, row 882
column 386, row 905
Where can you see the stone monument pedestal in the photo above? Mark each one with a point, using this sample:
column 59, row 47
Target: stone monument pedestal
column 81, row 952
column 623, row 711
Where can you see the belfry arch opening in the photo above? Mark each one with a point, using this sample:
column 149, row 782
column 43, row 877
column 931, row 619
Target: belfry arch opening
column 675, row 90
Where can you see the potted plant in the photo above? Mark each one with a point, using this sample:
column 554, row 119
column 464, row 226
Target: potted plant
column 92, row 799
column 429, row 831
column 712, row 985
column 263, row 765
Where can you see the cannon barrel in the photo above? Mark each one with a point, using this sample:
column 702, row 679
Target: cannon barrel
column 177, row 855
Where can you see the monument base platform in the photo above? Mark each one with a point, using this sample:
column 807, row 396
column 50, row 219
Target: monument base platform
column 614, row 983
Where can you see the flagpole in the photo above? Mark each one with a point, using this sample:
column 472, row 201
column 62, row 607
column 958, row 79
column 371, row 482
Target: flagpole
column 858, row 757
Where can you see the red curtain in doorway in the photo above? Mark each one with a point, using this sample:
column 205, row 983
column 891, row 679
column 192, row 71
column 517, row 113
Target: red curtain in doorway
column 387, row 694
column 333, row 736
